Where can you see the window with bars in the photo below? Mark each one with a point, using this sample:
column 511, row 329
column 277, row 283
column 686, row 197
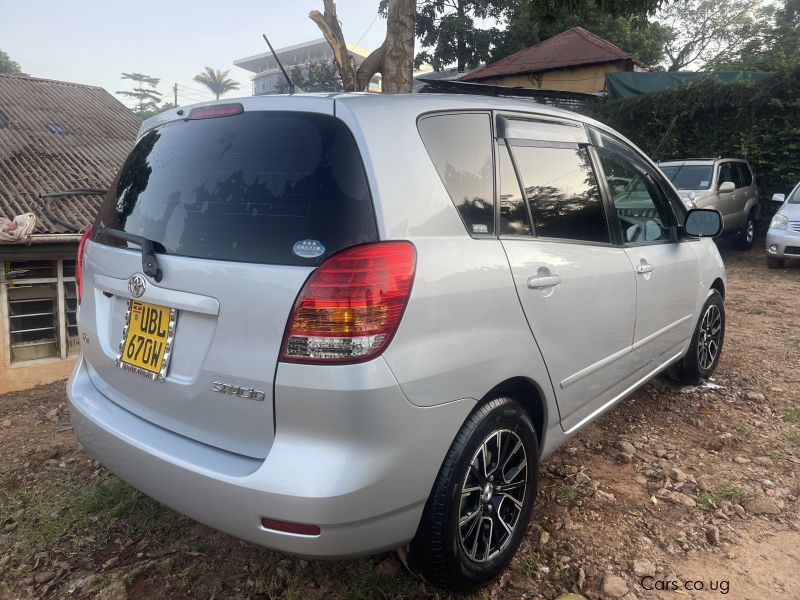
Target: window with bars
column 40, row 309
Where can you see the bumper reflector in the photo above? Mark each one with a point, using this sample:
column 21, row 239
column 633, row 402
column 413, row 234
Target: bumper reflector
column 287, row 527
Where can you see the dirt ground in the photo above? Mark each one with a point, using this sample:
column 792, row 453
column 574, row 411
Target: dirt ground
column 675, row 493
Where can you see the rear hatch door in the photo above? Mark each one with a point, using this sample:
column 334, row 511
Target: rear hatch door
column 240, row 209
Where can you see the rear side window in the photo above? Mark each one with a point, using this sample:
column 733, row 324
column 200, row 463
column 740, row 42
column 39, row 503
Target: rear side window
column 514, row 218
column 460, row 146
column 267, row 187
column 747, row 175
column 562, row 193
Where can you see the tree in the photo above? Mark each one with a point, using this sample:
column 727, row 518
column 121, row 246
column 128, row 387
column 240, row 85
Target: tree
column 773, row 45
column 634, row 33
column 318, row 76
column 145, row 94
column 704, row 31
column 450, row 33
column 393, row 59
column 7, row 65
column 217, row 81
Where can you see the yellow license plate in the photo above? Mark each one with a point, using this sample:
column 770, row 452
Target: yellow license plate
column 147, row 339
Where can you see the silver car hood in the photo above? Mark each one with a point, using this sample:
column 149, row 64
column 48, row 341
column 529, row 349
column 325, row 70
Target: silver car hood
column 792, row 211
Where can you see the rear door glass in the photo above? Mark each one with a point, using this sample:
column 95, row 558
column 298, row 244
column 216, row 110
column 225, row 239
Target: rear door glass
column 460, row 146
column 283, row 188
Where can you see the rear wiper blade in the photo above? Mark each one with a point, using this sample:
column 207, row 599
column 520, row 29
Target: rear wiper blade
column 149, row 260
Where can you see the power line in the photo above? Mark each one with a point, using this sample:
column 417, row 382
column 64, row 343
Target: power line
column 375, row 18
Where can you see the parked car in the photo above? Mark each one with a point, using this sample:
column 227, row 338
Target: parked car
column 725, row 184
column 308, row 321
column 783, row 236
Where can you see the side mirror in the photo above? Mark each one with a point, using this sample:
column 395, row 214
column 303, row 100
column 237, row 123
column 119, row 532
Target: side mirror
column 726, row 187
column 778, row 198
column 703, row 222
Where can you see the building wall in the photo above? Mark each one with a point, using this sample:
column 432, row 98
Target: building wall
column 37, row 294
column 588, row 79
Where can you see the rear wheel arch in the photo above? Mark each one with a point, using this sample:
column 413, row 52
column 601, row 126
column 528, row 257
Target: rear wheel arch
column 719, row 286
column 529, row 394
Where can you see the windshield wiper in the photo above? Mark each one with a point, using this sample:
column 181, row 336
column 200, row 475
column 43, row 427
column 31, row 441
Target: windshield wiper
column 149, row 260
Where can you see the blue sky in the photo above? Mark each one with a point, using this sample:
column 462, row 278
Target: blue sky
column 93, row 41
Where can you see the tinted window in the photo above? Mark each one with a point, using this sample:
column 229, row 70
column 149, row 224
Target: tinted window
column 514, row 218
column 642, row 208
column 244, row 188
column 460, row 146
column 562, row 193
column 689, row 177
column 729, row 172
column 746, row 174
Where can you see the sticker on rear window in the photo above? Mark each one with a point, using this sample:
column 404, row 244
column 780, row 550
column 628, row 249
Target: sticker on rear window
column 308, row 248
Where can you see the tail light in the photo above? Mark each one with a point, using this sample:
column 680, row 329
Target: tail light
column 79, row 262
column 351, row 305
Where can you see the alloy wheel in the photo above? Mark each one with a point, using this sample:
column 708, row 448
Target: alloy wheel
column 750, row 231
column 709, row 337
column 493, row 495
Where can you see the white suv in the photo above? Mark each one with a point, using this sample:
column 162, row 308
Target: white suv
column 336, row 325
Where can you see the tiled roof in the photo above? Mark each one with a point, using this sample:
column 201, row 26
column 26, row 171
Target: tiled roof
column 56, row 136
column 574, row 47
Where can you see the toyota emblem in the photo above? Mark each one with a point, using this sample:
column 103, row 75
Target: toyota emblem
column 136, row 285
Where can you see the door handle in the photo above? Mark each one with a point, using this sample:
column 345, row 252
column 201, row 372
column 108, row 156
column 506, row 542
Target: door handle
column 645, row 268
column 543, row 281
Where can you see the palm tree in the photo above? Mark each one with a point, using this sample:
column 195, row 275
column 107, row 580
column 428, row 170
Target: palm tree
column 217, row 81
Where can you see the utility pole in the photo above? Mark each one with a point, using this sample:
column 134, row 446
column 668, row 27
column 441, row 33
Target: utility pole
column 175, row 90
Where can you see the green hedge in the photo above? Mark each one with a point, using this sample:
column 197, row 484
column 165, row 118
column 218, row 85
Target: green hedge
column 760, row 122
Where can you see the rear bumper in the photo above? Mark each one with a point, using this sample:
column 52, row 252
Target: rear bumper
column 358, row 465
column 782, row 243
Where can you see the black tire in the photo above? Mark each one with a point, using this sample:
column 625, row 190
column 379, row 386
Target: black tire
column 698, row 362
column 775, row 263
column 748, row 233
column 438, row 552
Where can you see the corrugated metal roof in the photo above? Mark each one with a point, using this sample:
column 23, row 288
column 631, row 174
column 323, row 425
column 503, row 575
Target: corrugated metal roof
column 98, row 131
column 574, row 47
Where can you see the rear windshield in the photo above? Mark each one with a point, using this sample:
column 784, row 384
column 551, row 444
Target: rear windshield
column 269, row 187
column 689, row 177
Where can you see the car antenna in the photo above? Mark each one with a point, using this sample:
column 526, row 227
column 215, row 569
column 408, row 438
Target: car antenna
column 657, row 152
column 278, row 60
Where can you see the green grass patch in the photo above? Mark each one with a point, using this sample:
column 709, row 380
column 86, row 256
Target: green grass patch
column 711, row 500
column 793, row 415
column 792, row 437
column 564, row 493
column 93, row 514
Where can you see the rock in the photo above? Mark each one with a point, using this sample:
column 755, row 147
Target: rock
column 505, row 580
column 712, row 535
column 754, row 396
column 114, row 591
column 676, row 497
column 52, row 415
column 9, row 527
column 625, row 447
column 739, row 510
column 741, row 460
column 764, row 461
column 660, row 452
column 110, row 562
column 570, row 596
column 4, row 560
column 389, row 568
column 580, row 580
column 643, row 567
column 614, row 587
column 80, row 583
column 677, row 474
column 544, row 537
column 601, row 495
column 762, row 505
column 6, row 423
column 582, row 477
column 43, row 577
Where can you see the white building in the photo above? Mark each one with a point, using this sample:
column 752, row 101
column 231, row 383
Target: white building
column 268, row 75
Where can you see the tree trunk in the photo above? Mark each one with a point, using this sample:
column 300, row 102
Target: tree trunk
column 394, row 59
